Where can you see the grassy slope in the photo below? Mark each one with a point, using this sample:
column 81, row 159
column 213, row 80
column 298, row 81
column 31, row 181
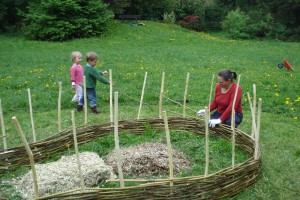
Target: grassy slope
column 130, row 51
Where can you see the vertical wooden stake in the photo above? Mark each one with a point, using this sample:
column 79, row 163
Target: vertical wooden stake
column 207, row 117
column 256, row 150
column 59, row 107
column 233, row 122
column 111, row 98
column 210, row 94
column 142, row 96
column 161, row 94
column 170, row 155
column 76, row 150
column 3, row 127
column 116, row 135
column 252, row 115
column 254, row 107
column 31, row 115
column 185, row 93
column 30, row 154
column 232, row 140
column 85, row 101
column 233, row 104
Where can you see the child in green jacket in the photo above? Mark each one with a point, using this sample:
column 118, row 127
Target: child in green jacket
column 92, row 75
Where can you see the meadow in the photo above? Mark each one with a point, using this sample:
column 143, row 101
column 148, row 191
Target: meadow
column 130, row 51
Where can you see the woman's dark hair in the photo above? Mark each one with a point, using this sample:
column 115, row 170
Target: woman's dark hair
column 227, row 74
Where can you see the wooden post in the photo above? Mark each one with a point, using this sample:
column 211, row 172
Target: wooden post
column 254, row 106
column 252, row 115
column 207, row 117
column 232, row 140
column 233, row 121
column 170, row 155
column 76, row 150
column 3, row 127
column 30, row 154
column 59, row 107
column 161, row 94
column 185, row 93
column 210, row 94
column 85, row 101
column 256, row 150
column 116, row 135
column 31, row 115
column 111, row 98
column 142, row 96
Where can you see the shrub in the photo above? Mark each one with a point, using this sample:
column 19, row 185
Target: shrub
column 191, row 22
column 169, row 17
column 279, row 31
column 56, row 20
column 235, row 24
column 190, row 7
column 260, row 23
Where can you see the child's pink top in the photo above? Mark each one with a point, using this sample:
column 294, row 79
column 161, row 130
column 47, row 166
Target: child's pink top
column 76, row 74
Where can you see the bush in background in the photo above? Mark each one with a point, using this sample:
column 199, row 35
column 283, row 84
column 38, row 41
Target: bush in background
column 56, row 20
column 235, row 24
column 260, row 23
column 169, row 17
column 190, row 22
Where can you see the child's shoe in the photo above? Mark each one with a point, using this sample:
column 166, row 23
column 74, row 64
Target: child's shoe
column 94, row 110
column 79, row 108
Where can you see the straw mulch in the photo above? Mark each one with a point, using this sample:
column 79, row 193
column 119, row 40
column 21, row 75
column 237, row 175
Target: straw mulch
column 148, row 159
column 63, row 175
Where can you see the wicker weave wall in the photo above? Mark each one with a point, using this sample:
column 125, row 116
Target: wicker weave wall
column 226, row 182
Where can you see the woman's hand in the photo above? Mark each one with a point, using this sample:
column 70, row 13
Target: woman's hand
column 213, row 122
column 201, row 112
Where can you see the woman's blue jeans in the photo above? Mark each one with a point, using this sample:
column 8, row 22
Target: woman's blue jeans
column 238, row 118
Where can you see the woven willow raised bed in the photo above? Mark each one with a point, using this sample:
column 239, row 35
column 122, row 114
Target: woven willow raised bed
column 226, row 182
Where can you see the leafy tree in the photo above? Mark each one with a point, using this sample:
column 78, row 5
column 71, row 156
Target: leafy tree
column 235, row 24
column 57, row 20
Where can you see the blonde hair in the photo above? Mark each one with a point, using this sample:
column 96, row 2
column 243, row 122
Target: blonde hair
column 90, row 56
column 74, row 55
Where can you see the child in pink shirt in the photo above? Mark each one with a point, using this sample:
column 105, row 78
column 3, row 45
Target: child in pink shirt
column 76, row 75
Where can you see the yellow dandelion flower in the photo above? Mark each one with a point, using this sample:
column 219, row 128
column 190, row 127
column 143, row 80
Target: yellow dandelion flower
column 296, row 118
column 287, row 102
column 292, row 108
column 275, row 86
column 276, row 94
column 287, row 99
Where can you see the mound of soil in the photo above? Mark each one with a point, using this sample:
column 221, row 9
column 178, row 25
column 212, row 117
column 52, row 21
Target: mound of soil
column 148, row 159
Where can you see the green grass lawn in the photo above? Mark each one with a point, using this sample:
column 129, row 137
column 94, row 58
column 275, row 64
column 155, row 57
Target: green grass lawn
column 130, row 51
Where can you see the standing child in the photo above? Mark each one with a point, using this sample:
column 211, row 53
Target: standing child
column 92, row 75
column 76, row 75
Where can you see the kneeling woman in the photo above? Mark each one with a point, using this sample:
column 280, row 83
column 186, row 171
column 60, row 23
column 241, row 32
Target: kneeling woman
column 223, row 100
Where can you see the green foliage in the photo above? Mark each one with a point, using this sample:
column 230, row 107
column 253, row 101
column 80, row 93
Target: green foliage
column 260, row 23
column 9, row 20
column 169, row 17
column 56, row 20
column 190, row 7
column 213, row 17
column 235, row 24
